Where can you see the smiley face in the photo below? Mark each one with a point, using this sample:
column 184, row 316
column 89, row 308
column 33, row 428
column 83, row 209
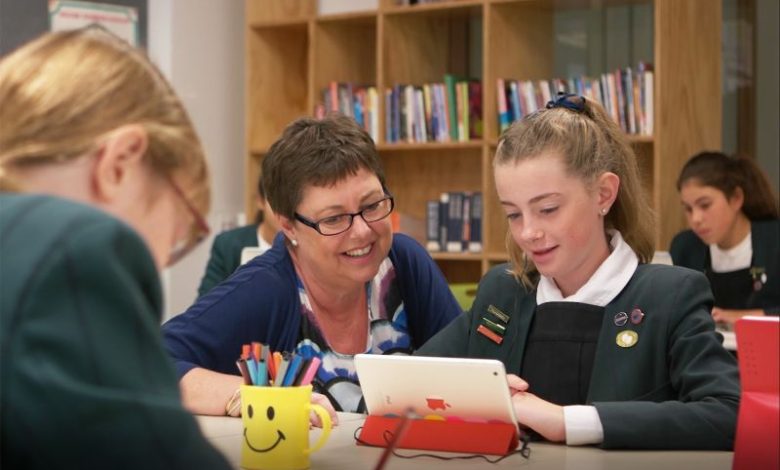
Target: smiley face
column 279, row 434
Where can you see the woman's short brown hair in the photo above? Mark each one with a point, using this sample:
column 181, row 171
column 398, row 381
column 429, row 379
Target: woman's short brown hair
column 317, row 152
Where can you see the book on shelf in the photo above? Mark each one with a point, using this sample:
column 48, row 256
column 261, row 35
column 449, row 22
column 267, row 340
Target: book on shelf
column 360, row 102
column 454, row 222
column 434, row 112
column 475, row 221
column 432, row 226
column 626, row 95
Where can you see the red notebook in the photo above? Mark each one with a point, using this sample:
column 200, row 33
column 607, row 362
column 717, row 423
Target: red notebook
column 758, row 426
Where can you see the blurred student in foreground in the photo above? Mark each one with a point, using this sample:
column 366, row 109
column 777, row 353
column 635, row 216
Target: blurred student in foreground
column 234, row 247
column 104, row 183
column 609, row 350
column 734, row 235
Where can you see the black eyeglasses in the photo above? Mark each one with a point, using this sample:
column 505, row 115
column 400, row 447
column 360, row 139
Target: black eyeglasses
column 340, row 223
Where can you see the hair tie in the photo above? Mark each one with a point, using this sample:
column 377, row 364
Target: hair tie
column 569, row 101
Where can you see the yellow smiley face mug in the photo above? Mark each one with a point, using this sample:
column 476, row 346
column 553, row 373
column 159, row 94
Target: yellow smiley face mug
column 276, row 427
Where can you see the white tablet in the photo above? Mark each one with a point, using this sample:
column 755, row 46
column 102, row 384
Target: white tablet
column 435, row 387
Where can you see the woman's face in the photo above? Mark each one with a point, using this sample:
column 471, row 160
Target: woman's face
column 710, row 214
column 553, row 218
column 349, row 258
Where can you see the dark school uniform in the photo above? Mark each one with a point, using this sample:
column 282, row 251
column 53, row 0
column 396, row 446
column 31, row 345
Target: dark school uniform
column 225, row 255
column 675, row 387
column 85, row 380
column 756, row 287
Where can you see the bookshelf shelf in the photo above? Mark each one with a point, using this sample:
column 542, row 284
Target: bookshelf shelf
column 422, row 8
column 402, row 147
column 293, row 54
column 438, row 255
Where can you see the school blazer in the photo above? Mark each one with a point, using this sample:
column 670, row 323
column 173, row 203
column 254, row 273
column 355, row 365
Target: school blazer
column 689, row 251
column 226, row 255
column 676, row 388
column 85, row 382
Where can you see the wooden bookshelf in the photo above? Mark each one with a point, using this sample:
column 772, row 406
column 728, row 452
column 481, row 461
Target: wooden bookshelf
column 292, row 54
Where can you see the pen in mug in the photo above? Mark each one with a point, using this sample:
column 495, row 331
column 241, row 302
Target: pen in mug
column 292, row 371
column 282, row 371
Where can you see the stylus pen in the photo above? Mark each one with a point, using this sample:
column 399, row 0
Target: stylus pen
column 399, row 430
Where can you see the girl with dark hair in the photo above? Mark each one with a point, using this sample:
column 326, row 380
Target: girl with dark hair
column 734, row 235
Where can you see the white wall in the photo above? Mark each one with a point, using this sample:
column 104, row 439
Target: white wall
column 199, row 45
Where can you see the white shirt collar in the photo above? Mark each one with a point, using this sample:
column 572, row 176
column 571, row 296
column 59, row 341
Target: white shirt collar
column 733, row 259
column 604, row 285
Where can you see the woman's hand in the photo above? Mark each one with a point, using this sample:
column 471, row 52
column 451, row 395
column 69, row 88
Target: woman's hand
column 531, row 411
column 729, row 317
column 322, row 400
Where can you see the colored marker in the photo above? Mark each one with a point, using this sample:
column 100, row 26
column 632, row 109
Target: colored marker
column 280, row 373
column 292, row 371
column 262, row 374
column 311, row 371
column 241, row 364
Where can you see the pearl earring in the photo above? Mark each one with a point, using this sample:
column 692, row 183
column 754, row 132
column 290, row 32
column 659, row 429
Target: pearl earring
column 294, row 242
column 604, row 211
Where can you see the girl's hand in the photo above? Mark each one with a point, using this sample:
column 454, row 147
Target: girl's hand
column 531, row 411
column 729, row 317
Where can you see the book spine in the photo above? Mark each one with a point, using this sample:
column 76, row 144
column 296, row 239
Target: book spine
column 455, row 222
column 444, row 216
column 449, row 83
column 475, row 219
column 432, row 226
column 475, row 109
column 503, row 111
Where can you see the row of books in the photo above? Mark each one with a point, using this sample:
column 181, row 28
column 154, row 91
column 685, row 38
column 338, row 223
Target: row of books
column 454, row 222
column 434, row 112
column 626, row 94
column 356, row 101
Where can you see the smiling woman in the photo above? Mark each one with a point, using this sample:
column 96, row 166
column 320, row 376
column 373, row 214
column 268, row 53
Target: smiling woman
column 336, row 282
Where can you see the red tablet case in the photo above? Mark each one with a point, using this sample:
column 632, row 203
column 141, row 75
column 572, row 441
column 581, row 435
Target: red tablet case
column 450, row 436
column 758, row 426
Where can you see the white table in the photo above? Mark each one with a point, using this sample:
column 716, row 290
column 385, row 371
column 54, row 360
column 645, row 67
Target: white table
column 341, row 453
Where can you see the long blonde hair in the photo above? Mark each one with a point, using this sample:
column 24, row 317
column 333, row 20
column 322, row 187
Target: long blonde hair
column 64, row 91
column 591, row 144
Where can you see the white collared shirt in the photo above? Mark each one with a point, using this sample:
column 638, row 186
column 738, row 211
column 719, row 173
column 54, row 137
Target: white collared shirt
column 733, row 259
column 582, row 422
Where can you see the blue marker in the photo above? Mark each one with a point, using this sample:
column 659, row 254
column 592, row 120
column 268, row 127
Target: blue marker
column 292, row 371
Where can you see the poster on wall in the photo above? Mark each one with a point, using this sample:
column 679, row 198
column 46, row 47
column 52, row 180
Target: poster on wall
column 71, row 14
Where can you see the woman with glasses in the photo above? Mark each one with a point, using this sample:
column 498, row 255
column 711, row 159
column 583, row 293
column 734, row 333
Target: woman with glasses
column 734, row 235
column 102, row 184
column 335, row 283
column 604, row 348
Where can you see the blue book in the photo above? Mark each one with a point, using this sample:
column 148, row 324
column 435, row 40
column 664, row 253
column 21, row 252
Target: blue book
column 455, row 223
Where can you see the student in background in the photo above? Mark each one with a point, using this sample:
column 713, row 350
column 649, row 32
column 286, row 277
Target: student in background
column 226, row 251
column 734, row 235
column 103, row 182
column 336, row 281
column 609, row 350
